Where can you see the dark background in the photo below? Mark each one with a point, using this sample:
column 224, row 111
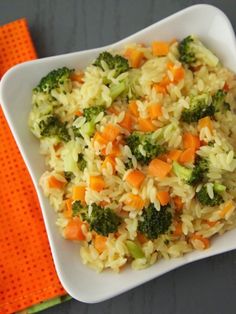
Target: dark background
column 61, row 26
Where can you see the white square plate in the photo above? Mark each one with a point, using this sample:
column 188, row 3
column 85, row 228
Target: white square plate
column 80, row 282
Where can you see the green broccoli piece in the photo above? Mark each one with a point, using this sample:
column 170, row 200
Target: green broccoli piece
column 77, row 208
column 92, row 112
column 199, row 171
column 204, row 105
column 88, row 128
column 106, row 57
column 143, row 147
column 217, row 187
column 51, row 126
column 200, row 107
column 218, row 101
column 116, row 62
column 203, row 197
column 103, row 220
column 191, row 176
column 117, row 89
column 54, row 79
column 68, row 175
column 153, row 222
column 193, row 52
column 76, row 131
column 129, row 164
column 134, row 249
column 82, row 163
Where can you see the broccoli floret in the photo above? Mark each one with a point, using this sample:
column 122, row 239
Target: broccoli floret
column 80, row 210
column 199, row 171
column 77, row 208
column 54, row 79
column 218, row 101
column 194, row 175
column 103, row 220
column 92, row 112
column 88, row 128
column 76, row 131
column 153, row 222
column 204, row 105
column 129, row 164
column 200, row 107
column 193, row 52
column 143, row 147
column 82, row 163
column 204, row 198
column 68, row 175
column 106, row 57
column 116, row 62
column 121, row 64
column 53, row 127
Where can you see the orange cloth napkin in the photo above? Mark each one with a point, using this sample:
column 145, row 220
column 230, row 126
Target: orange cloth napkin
column 27, row 273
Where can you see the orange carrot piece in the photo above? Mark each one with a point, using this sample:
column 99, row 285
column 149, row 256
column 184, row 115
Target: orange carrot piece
column 97, row 183
column 159, row 88
column 178, row 228
column 103, row 203
column 115, row 151
column 100, row 243
column 178, row 203
column 174, row 154
column 159, row 168
column 146, row 125
column 135, row 178
column 134, row 56
column 226, row 87
column 78, row 77
column 160, row 48
column 165, row 81
column 191, row 141
column 111, row 160
column 133, row 108
column 163, row 157
column 78, row 113
column 110, row 132
column 187, row 156
column 205, row 122
column 177, row 72
column 113, row 110
column 155, row 111
column 73, row 230
column 198, row 237
column 227, row 207
column 135, row 201
column 68, row 212
column 163, row 197
column 54, row 183
column 78, row 193
column 98, row 137
column 141, row 238
column 127, row 122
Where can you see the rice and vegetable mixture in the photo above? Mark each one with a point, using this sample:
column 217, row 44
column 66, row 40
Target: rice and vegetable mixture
column 139, row 148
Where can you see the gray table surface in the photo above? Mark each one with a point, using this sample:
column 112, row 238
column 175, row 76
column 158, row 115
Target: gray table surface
column 61, row 26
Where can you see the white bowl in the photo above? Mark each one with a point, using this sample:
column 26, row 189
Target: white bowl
column 80, row 282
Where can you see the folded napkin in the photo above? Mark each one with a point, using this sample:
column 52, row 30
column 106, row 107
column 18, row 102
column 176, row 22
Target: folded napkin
column 27, row 273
